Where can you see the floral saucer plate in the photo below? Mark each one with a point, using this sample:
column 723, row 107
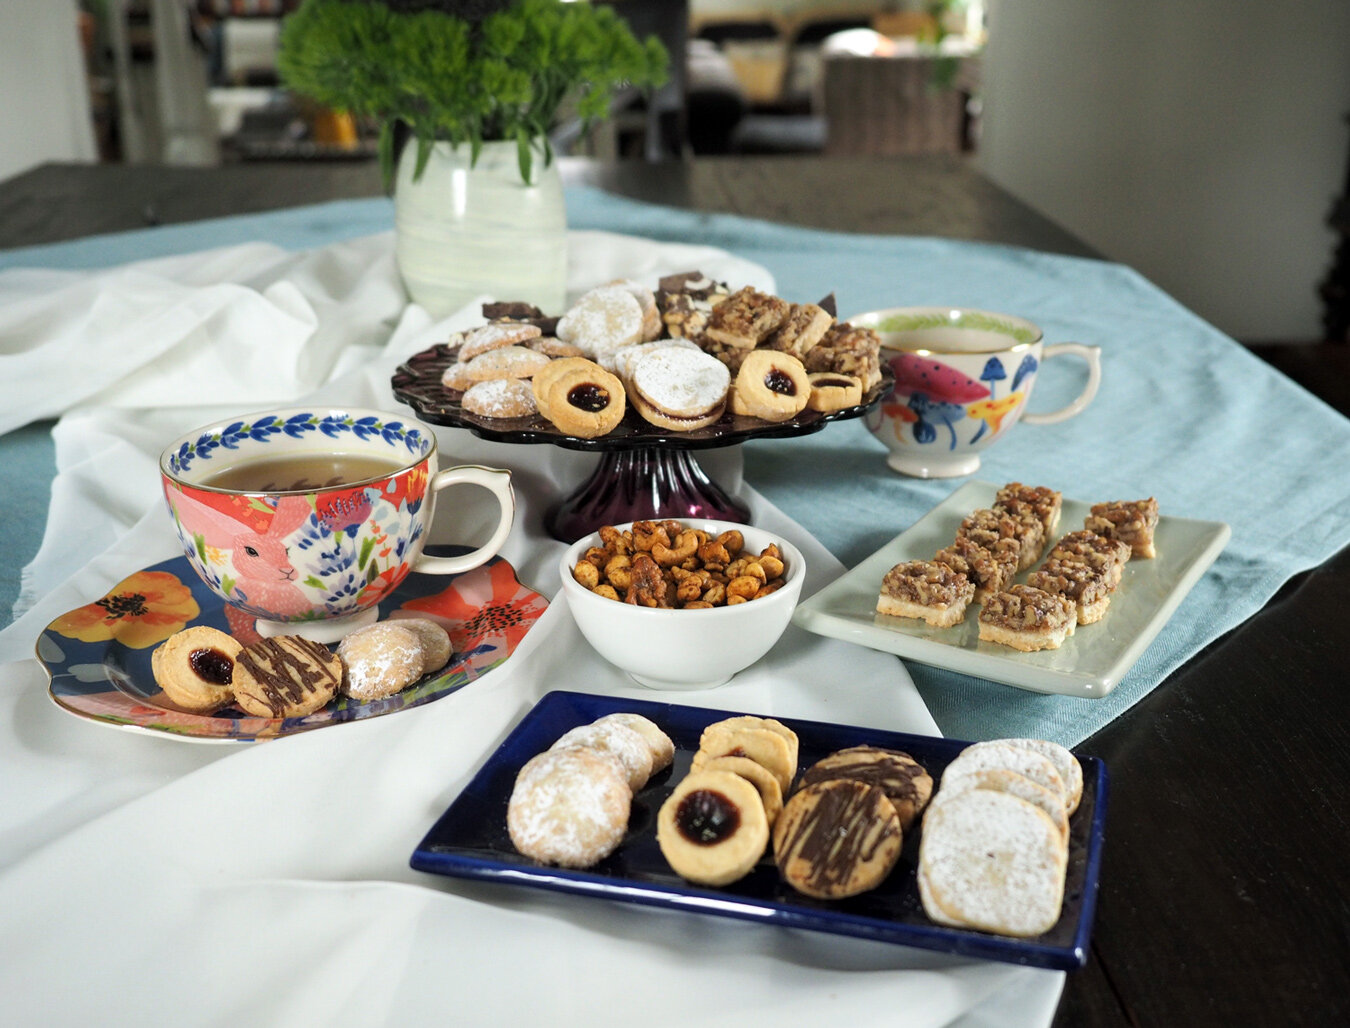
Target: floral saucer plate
column 98, row 656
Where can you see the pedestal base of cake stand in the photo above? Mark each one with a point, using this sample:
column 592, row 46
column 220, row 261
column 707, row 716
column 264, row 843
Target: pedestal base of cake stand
column 648, row 483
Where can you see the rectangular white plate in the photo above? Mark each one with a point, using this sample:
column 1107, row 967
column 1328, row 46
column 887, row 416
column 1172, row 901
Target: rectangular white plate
column 1090, row 662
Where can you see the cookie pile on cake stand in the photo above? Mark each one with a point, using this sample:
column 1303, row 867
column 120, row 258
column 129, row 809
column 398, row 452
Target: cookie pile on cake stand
column 644, row 472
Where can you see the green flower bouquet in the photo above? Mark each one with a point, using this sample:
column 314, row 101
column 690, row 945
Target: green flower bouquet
column 465, row 71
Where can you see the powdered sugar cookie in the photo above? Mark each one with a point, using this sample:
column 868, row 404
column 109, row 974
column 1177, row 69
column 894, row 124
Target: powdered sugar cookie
column 494, row 335
column 568, row 807
column 552, row 346
column 506, row 362
column 435, row 640
column 679, row 389
column 380, row 660
column 1001, row 780
column 651, row 315
column 602, row 320
column 1000, row 754
column 1070, row 770
column 616, row 741
column 994, row 862
column 500, row 398
column 661, row 745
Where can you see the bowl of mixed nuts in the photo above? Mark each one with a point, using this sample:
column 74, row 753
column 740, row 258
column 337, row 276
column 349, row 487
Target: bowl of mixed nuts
column 682, row 604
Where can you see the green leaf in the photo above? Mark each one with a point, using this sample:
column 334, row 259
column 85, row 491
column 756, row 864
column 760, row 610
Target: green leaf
column 367, row 545
column 524, row 159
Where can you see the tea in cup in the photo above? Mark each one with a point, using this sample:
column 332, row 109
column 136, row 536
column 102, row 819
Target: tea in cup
column 963, row 378
column 306, row 518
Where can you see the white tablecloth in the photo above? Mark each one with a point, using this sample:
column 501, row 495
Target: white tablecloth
column 147, row 880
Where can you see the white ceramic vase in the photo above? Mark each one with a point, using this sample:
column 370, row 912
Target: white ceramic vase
column 463, row 232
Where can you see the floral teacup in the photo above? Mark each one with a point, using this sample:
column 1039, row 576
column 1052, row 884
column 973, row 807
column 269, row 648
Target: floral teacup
column 306, row 518
column 962, row 380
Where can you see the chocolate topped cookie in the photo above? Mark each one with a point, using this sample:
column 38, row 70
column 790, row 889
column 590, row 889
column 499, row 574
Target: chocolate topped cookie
column 902, row 778
column 285, row 677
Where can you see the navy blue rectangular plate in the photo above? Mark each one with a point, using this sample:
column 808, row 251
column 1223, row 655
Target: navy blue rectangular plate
column 470, row 841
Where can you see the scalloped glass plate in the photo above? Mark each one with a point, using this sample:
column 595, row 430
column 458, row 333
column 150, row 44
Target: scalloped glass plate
column 470, row 840
column 418, row 384
column 1090, row 663
column 97, row 657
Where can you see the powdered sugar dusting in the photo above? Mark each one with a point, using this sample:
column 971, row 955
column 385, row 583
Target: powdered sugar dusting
column 569, row 807
column 680, row 380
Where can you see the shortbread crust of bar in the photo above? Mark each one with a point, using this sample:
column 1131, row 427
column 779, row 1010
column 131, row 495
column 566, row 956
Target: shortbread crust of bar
column 745, row 318
column 991, row 570
column 1078, row 581
column 1097, row 551
column 1130, row 521
column 986, row 526
column 926, row 590
column 1042, row 502
column 1027, row 619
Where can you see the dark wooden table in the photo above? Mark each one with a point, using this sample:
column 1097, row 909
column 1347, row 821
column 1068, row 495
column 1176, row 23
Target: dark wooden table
column 1225, row 895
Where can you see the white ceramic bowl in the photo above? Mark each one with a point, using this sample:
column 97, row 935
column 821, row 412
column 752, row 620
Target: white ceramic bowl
column 685, row 649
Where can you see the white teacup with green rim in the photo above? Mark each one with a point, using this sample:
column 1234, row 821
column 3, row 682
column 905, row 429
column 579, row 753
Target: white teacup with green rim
column 963, row 378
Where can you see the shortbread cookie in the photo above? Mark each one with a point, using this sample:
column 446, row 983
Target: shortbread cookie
column 991, row 861
column 568, row 807
column 738, row 721
column 617, row 741
column 1044, row 503
column 990, row 569
column 765, row 747
column 836, row 839
column 579, row 397
column 1130, row 521
column 679, row 389
column 457, row 378
column 746, row 318
column 1005, row 755
column 712, row 829
column 770, row 385
column 435, row 641
column 988, row 527
column 195, row 668
column 505, row 362
column 1002, row 780
column 602, row 320
column 849, row 351
column 770, row 792
column 1108, row 556
column 500, row 398
column 902, row 778
column 285, row 676
column 661, row 745
column 926, row 590
column 1078, row 581
column 380, row 660
column 1027, row 619
column 493, row 335
column 804, row 326
column 1070, row 770
column 831, row 391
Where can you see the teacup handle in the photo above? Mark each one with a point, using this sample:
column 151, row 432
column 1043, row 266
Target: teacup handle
column 496, row 481
column 1093, row 356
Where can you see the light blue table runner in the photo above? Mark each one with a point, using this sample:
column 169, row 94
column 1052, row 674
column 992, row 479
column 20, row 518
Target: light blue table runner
column 1184, row 414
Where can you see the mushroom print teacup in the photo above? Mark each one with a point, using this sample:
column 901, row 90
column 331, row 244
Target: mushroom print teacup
column 306, row 518
column 963, row 378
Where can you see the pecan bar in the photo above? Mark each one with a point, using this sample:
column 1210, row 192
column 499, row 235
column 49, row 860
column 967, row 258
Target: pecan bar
column 992, row 570
column 1130, row 521
column 927, row 590
column 849, row 351
column 1100, row 553
column 1042, row 503
column 804, row 326
column 1027, row 619
column 1080, row 582
column 987, row 526
column 745, row 318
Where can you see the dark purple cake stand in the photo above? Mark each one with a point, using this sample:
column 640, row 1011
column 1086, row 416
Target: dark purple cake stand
column 644, row 471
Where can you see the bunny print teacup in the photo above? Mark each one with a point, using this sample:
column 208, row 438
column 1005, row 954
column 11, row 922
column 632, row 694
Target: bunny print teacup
column 306, row 518
column 962, row 381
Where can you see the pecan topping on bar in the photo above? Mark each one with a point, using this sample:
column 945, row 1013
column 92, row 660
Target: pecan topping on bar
column 1041, row 502
column 989, row 568
column 1131, row 521
column 924, row 582
column 746, row 318
column 1075, row 579
column 1021, row 607
column 987, row 526
column 849, row 351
